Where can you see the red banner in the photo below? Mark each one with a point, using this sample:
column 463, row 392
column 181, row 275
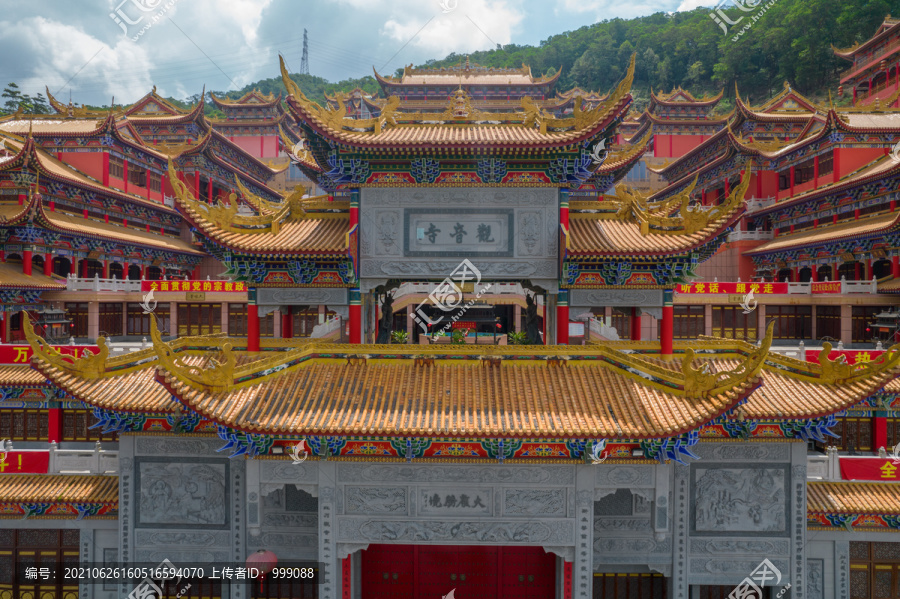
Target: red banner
column 869, row 469
column 21, row 354
column 24, row 462
column 854, row 356
column 211, row 286
column 828, row 287
column 735, row 288
column 459, row 324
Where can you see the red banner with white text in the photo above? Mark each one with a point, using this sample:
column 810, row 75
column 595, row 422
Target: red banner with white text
column 21, row 354
column 210, row 286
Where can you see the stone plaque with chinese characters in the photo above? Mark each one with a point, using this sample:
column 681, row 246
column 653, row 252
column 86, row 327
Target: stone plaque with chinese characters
column 455, row 501
column 474, row 232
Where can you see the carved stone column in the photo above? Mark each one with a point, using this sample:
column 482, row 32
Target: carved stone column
column 583, row 569
column 842, row 568
column 798, row 520
column 681, row 513
column 330, row 574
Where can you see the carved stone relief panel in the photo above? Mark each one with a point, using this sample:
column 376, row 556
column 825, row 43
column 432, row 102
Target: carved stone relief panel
column 376, row 500
column 455, row 501
column 172, row 495
column 815, row 579
column 158, row 446
column 743, row 452
column 354, row 472
column 615, row 297
column 734, row 498
column 534, row 502
column 763, row 547
column 455, row 531
column 625, row 476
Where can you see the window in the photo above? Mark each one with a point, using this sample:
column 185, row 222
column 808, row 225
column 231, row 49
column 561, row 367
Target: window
column 828, row 322
column 612, row 586
column 874, row 570
column 863, row 316
column 155, row 181
column 199, row 319
column 237, row 322
column 137, row 176
column 77, row 427
column 24, row 425
column 111, row 319
column 306, row 320
column 730, row 322
column 41, row 548
column 826, row 164
column 116, row 167
column 138, row 323
column 689, row 322
column 791, row 322
column 78, row 314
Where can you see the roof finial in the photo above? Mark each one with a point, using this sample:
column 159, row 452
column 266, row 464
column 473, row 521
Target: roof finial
column 467, row 62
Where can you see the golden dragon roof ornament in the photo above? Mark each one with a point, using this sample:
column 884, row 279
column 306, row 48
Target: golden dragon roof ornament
column 218, row 375
column 89, row 366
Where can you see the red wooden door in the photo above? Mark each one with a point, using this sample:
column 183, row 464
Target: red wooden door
column 477, row 572
column 388, row 572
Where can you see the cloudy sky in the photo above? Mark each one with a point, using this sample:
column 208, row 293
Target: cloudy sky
column 102, row 48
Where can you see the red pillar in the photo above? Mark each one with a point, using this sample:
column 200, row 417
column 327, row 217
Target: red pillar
column 562, row 318
column 814, row 273
column 879, row 431
column 54, row 424
column 26, row 262
column 124, row 177
column 105, row 274
column 635, row 325
column 793, row 178
column 209, row 190
column 287, row 323
column 857, row 271
column 816, row 172
column 837, row 166
column 2, row 327
column 252, row 327
column 667, row 331
column 105, row 171
column 84, row 268
column 48, row 264
column 197, row 184
column 73, row 265
column 895, row 266
column 21, row 199
column 355, row 316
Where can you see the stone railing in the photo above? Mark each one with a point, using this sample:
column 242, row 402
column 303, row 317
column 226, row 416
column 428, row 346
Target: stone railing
column 823, row 467
column 75, row 461
column 329, row 328
column 74, row 283
column 599, row 329
column 754, row 204
column 751, row 236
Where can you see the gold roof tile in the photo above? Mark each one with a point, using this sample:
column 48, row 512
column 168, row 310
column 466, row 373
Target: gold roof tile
column 12, row 277
column 828, row 233
column 852, row 498
column 18, row 375
column 58, row 488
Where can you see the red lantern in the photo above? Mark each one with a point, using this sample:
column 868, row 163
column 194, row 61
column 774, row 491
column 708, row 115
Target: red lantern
column 840, row 91
column 264, row 561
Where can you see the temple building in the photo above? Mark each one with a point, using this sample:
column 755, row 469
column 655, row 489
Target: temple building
column 477, row 363
column 875, row 74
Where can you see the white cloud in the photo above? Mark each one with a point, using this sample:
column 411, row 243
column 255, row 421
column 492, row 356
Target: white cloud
column 692, row 4
column 609, row 9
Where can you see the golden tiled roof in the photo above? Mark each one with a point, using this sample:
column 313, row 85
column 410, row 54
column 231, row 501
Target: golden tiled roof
column 628, row 223
column 58, row 488
column 829, row 233
column 19, row 375
column 892, row 386
column 22, row 127
column 460, row 125
column 852, row 498
column 12, row 277
column 291, row 229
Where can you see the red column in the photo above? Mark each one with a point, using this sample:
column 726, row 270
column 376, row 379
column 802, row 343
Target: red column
column 895, row 266
column 73, row 265
column 252, row 327
column 667, row 330
column 197, row 184
column 816, row 172
column 105, row 274
column 209, row 190
column 287, row 323
column 84, row 268
column 837, row 166
column 857, row 271
column 814, row 273
column 124, row 176
column 54, row 424
column 48, row 264
column 26, row 262
column 562, row 318
column 3, row 327
column 355, row 316
column 727, row 189
column 635, row 325
column 793, row 173
column 105, row 171
column 879, row 431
